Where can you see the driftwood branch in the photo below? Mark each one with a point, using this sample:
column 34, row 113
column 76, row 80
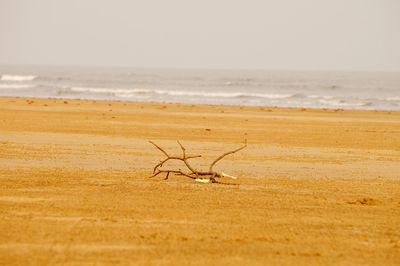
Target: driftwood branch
column 199, row 176
column 226, row 154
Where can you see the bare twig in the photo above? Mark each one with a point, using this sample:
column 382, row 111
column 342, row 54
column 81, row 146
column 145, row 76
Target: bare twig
column 226, row 154
column 158, row 147
column 200, row 176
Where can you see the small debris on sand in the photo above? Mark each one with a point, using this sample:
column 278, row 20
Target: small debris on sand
column 364, row 201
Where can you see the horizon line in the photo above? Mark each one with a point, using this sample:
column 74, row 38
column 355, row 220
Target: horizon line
column 195, row 68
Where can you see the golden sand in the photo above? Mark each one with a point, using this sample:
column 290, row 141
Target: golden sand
column 315, row 187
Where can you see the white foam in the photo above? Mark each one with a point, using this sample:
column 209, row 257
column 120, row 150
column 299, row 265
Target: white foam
column 16, row 86
column 136, row 91
column 17, row 77
column 341, row 103
column 326, row 97
column 109, row 90
column 223, row 94
column 392, row 99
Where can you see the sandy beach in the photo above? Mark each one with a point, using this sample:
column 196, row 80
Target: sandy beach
column 314, row 187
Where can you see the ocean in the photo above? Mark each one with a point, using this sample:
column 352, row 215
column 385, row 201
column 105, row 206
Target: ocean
column 345, row 90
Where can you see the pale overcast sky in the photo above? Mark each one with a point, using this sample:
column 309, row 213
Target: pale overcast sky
column 252, row 34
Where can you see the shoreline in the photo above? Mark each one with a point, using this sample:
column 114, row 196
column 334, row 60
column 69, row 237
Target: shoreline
column 314, row 186
column 259, row 107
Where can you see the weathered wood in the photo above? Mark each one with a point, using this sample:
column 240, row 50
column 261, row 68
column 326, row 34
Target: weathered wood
column 199, row 176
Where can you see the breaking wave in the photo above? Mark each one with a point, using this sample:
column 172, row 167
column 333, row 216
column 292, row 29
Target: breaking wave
column 395, row 99
column 17, row 77
column 109, row 90
column 16, row 86
column 342, row 103
column 132, row 92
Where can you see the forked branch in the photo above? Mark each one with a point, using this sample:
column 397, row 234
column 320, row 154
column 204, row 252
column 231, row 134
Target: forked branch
column 199, row 176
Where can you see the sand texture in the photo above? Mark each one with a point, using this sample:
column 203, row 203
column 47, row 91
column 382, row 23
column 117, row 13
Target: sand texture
column 315, row 187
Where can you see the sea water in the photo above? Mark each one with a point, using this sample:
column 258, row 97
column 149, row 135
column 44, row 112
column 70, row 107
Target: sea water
column 347, row 90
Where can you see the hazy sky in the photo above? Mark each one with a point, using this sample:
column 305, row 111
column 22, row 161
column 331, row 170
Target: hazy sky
column 255, row 34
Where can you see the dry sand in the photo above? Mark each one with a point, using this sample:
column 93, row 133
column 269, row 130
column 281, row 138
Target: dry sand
column 315, row 187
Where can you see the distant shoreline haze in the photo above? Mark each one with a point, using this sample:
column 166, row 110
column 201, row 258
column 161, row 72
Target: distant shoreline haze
column 359, row 35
